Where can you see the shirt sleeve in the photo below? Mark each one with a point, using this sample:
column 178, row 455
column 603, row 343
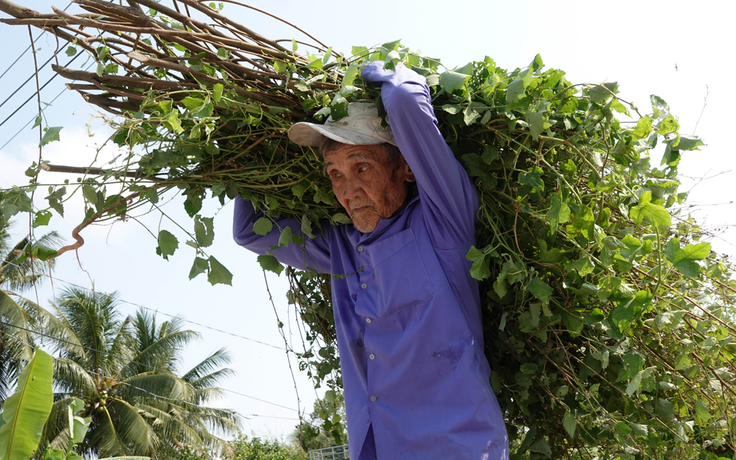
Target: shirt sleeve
column 313, row 254
column 446, row 192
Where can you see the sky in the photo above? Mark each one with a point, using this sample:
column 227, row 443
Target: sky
column 677, row 50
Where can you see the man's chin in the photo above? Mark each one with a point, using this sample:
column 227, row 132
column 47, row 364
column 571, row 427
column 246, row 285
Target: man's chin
column 364, row 225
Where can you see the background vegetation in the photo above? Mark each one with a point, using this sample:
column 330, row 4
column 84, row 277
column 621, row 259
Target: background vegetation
column 608, row 323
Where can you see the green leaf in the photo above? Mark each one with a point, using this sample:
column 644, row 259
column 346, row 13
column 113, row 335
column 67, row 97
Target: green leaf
column 601, row 93
column 633, row 362
column 269, row 262
column 350, row 75
column 538, row 123
column 90, row 194
column 639, row 431
column 584, row 266
column 541, row 446
column 684, row 258
column 262, row 226
column 71, row 51
column 223, row 54
column 25, row 412
column 203, row 231
column 199, row 266
column 218, row 273
column 689, row 143
column 192, row 103
column 516, row 90
column 172, row 122
column 51, row 135
column 540, row 289
column 41, row 218
column 480, row 269
column 559, row 213
column 623, row 428
column 702, row 413
column 532, row 178
column 665, row 409
column 285, row 237
column 217, row 92
column 167, row 244
column 529, row 368
column 452, row 81
column 653, row 213
column 280, row 66
column 643, row 128
column 568, row 421
column 583, row 224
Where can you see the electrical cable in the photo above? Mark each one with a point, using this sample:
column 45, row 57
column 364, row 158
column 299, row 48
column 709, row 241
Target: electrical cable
column 34, row 94
column 29, row 47
column 157, row 396
column 69, row 283
column 148, row 366
column 25, row 82
column 42, row 110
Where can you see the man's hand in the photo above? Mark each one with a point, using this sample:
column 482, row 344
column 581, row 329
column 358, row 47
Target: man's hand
column 374, row 72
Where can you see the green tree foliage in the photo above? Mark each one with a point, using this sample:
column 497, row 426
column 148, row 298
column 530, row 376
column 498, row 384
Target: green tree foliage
column 608, row 320
column 18, row 273
column 255, row 448
column 124, row 369
column 25, row 412
column 326, row 425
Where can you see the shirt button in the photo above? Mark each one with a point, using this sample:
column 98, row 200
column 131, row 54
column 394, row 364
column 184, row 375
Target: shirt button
column 372, row 356
column 373, row 398
column 360, row 248
column 367, row 320
column 363, row 286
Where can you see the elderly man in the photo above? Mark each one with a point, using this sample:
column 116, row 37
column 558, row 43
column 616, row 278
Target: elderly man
column 407, row 311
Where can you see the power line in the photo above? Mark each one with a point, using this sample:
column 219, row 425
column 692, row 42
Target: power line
column 69, row 283
column 24, row 84
column 42, row 87
column 42, row 110
column 199, row 324
column 157, row 396
column 148, row 366
column 29, row 47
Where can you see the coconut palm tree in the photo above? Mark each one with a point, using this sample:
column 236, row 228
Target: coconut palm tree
column 125, row 369
column 19, row 316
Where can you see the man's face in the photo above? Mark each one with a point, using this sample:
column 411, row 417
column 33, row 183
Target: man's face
column 366, row 183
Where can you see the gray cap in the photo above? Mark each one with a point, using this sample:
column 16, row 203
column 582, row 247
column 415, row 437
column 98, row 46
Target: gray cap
column 362, row 126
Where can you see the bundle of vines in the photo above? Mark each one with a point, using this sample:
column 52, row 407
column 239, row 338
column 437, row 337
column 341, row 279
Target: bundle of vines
column 608, row 324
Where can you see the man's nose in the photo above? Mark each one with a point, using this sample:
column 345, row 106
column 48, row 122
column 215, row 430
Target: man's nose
column 352, row 189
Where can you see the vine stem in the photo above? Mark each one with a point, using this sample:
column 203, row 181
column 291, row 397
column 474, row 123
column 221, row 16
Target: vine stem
column 35, row 181
column 286, row 345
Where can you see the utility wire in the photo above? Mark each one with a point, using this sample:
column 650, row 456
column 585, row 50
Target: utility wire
column 42, row 110
column 42, row 87
column 198, row 324
column 157, row 396
column 25, row 83
column 29, row 47
column 69, row 283
column 148, row 366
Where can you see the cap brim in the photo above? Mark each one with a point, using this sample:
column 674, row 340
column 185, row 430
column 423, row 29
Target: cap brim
column 311, row 134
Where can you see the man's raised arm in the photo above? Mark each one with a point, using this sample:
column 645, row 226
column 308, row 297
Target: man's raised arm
column 444, row 186
column 313, row 254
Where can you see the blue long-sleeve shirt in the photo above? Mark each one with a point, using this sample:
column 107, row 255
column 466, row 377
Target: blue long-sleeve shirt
column 407, row 314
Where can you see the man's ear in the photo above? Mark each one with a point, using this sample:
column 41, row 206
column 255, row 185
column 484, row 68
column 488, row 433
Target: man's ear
column 406, row 170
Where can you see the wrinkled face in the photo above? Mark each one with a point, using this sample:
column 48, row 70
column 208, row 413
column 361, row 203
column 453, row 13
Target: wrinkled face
column 366, row 183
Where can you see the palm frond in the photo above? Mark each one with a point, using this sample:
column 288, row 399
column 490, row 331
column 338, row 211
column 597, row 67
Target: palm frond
column 214, row 361
column 70, row 377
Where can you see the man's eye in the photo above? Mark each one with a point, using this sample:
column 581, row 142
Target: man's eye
column 334, row 175
column 363, row 169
